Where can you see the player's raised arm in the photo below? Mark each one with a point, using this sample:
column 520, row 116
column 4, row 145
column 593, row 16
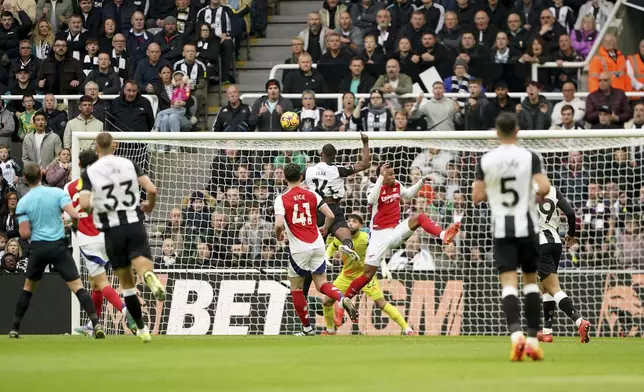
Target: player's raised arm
column 85, row 194
column 150, row 189
column 365, row 162
column 412, row 191
column 543, row 184
column 478, row 187
column 564, row 205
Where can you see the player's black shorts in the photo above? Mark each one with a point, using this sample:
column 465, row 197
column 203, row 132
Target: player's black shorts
column 123, row 243
column 549, row 259
column 56, row 253
column 512, row 253
column 339, row 221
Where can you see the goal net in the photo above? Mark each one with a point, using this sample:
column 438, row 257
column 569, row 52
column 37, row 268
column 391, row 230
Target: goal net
column 214, row 247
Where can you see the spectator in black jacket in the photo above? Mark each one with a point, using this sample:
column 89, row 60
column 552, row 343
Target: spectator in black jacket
column 384, row 33
column 400, row 12
column 517, row 34
column 56, row 119
column 147, row 70
column 450, row 35
column 414, row 30
column 222, row 29
column 206, row 46
column 60, row 73
column 234, row 117
column 434, row 54
column 268, row 109
column 100, row 108
column 25, row 60
column 23, row 85
column 532, row 9
column 120, row 59
column 373, row 58
column 365, row 82
column 434, row 15
column 121, row 12
column 484, row 33
column 465, row 10
column 75, row 36
column 92, row 18
column 11, row 32
column 549, row 30
column 334, row 64
column 159, row 10
column 130, row 111
column 137, row 38
column 170, row 40
column 305, row 78
column 104, row 76
column 498, row 14
column 502, row 103
column 186, row 15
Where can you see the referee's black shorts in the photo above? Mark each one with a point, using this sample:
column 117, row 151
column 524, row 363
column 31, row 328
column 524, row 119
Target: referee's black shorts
column 549, row 259
column 339, row 221
column 56, row 253
column 512, row 253
column 126, row 242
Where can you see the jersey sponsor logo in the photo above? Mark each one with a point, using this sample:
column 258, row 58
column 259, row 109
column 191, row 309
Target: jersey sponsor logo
column 392, row 198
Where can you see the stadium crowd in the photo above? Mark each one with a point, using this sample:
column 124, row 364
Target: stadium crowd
column 132, row 48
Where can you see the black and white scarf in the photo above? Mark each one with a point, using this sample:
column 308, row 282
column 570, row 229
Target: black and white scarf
column 376, row 119
column 463, row 86
column 120, row 65
column 342, row 117
column 217, row 19
column 89, row 64
column 195, row 71
column 70, row 38
column 182, row 18
column 502, row 58
column 42, row 49
column 202, row 45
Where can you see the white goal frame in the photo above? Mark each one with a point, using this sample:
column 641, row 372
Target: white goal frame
column 158, row 138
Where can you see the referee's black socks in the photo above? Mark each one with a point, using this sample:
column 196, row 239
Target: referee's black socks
column 133, row 306
column 86, row 302
column 511, row 308
column 21, row 308
column 532, row 304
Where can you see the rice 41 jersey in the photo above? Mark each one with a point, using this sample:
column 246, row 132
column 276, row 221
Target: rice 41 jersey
column 85, row 223
column 327, row 180
column 299, row 208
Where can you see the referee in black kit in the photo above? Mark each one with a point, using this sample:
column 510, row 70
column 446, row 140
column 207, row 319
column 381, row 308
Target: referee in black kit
column 39, row 218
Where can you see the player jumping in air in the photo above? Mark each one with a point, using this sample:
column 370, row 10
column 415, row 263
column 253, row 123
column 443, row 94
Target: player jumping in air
column 387, row 232
column 550, row 249
column 114, row 183
column 295, row 215
column 352, row 269
column 92, row 247
column 504, row 177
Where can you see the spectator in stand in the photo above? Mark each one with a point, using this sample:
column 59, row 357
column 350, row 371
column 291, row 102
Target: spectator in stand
column 328, row 123
column 54, row 12
column 120, row 11
column 609, row 59
column 85, row 122
column 254, row 230
column 8, row 217
column 501, row 104
column 138, row 39
column 235, row 116
column 101, row 108
column 169, row 255
column 105, row 40
column 147, row 70
column 310, row 114
column 42, row 39
column 565, row 54
column 393, row 82
column 9, row 264
column 567, row 123
column 569, row 98
column 584, row 37
column 41, row 147
column 75, row 36
column 407, row 59
column 475, row 56
column 377, row 116
column 130, row 111
column 26, row 60
column 497, row 12
column 15, row 6
column 350, row 36
column 384, row 33
column 170, row 40
column 314, row 37
column 174, row 119
column 205, row 256
column 635, row 68
column 235, row 196
column 414, row 30
column 23, row 85
column 485, row 34
column 600, row 9
column 7, row 125
column 206, row 49
column 605, row 120
column 158, row 12
column 186, row 15
column 459, row 82
column 218, row 236
column 549, row 31
column 638, row 117
column 359, row 82
column 305, row 78
column 450, row 35
column 12, row 31
column 401, row 123
column 196, row 216
column 608, row 95
column 56, row 119
column 330, row 13
column 364, row 13
column 572, row 178
column 59, row 171
column 121, row 60
column 196, row 71
column 90, row 59
column 535, row 110
column 345, row 115
column 434, row 15
column 60, row 73
column 439, row 110
column 503, row 62
column 466, row 9
column 400, row 11
column 563, row 14
column 537, row 53
column 472, row 116
column 297, row 48
column 434, row 54
column 373, row 58
column 25, row 117
column 106, row 79
column 92, row 18
column 10, row 173
column 173, row 228
column 517, row 33
column 334, row 64
column 529, row 11
column 415, row 124
column 267, row 110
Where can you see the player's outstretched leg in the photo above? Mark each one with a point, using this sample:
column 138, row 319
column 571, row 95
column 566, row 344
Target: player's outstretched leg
column 106, row 290
column 128, row 285
column 395, row 315
column 344, row 235
column 145, row 268
column 433, row 228
column 560, row 298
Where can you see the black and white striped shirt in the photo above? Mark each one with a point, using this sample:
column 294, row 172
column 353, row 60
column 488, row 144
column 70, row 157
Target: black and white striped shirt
column 218, row 18
column 507, row 173
column 120, row 65
column 195, row 71
column 114, row 183
column 89, row 64
column 549, row 218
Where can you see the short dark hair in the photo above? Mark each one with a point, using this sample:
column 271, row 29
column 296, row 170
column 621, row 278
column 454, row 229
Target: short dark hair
column 85, row 98
column 378, row 169
column 32, row 173
column 329, row 150
column 6, row 14
column 27, row 96
column 476, row 81
column 568, row 107
column 356, row 217
column 292, row 172
column 91, row 40
column 38, row 113
column 506, row 123
column 360, row 59
column 86, row 158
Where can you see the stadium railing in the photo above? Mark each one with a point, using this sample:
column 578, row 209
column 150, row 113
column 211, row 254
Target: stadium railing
column 154, row 100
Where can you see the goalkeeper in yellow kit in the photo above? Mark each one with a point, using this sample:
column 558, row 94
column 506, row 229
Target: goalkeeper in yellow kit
column 352, row 269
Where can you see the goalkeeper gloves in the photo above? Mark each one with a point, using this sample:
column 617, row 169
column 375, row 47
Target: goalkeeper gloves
column 384, row 271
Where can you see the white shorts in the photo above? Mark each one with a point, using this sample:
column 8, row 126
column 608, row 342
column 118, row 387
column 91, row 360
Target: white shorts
column 93, row 250
column 382, row 241
column 305, row 263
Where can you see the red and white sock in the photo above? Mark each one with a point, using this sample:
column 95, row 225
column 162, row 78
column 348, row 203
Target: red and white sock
column 97, row 300
column 331, row 291
column 301, row 307
column 429, row 225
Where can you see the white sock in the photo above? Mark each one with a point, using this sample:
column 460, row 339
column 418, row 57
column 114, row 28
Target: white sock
column 547, row 331
column 532, row 341
column 516, row 335
column 308, row 329
column 442, row 235
column 124, row 311
column 578, row 321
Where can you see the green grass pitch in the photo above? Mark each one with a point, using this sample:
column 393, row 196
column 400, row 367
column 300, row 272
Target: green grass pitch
column 284, row 364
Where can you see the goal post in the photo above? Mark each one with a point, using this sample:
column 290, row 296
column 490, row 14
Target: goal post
column 213, row 240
